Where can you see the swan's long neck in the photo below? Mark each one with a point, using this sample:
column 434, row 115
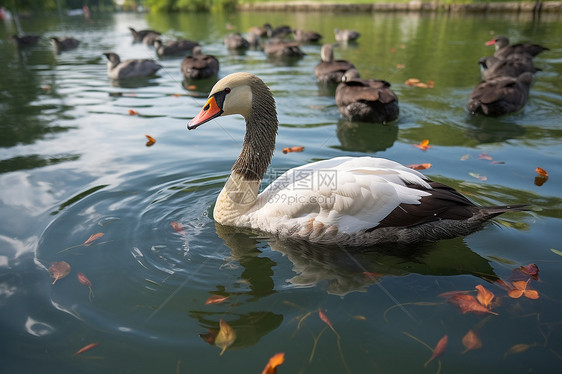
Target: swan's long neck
column 240, row 191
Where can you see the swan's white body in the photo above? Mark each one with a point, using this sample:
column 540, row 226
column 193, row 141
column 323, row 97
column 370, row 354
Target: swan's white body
column 356, row 201
column 321, row 200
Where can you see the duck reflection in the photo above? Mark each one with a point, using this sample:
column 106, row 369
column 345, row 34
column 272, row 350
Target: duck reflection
column 493, row 130
column 366, row 137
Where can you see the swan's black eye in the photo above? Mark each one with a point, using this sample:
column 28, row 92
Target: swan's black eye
column 227, row 90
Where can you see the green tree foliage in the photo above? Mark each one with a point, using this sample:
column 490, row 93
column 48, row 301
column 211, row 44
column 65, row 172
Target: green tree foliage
column 38, row 5
column 188, row 5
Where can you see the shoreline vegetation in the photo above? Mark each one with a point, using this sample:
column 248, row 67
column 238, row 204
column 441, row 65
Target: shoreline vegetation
column 409, row 6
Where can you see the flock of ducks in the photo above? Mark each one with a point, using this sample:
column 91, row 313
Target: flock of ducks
column 351, row 201
column 506, row 78
column 59, row 44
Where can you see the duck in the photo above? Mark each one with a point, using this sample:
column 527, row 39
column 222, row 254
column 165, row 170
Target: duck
column 138, row 36
column 304, row 36
column 199, row 65
column 64, row 44
column 278, row 48
column 174, row 47
column 150, row 39
column 117, row 69
column 500, row 95
column 366, row 100
column 504, row 49
column 347, row 201
column 346, row 35
column 512, row 66
column 25, row 40
column 329, row 70
column 277, row 32
column 236, row 41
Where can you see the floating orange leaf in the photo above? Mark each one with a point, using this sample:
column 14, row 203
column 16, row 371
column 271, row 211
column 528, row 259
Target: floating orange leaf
column 274, row 362
column 178, row 227
column 412, row 81
column 192, row 87
column 468, row 303
column 150, row 141
column 293, row 149
column 421, row 85
column 400, row 66
column 216, row 299
column 484, row 296
column 177, row 95
column 226, row 336
column 420, row 166
column 93, row 238
column 133, row 112
column 540, row 171
column 485, row 156
column 520, row 288
column 86, row 348
column 59, row 270
column 439, row 349
column 430, row 84
column 471, row 341
column 424, row 145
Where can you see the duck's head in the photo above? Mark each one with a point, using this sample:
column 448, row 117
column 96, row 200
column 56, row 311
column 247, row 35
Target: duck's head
column 233, row 94
column 498, row 42
column 112, row 58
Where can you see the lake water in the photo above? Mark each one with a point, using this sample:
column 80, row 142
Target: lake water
column 73, row 163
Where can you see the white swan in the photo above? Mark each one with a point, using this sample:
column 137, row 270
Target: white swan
column 352, row 201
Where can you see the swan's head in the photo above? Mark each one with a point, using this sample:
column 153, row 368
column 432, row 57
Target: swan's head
column 233, row 94
column 498, row 42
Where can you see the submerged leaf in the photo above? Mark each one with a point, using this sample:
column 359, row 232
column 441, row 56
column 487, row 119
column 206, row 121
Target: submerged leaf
column 59, row 270
column 84, row 280
column 216, row 299
column 92, row 238
column 531, row 270
column 178, row 227
column 439, row 349
column 471, row 341
column 517, row 348
column 327, row 321
column 276, row 360
column 556, row 251
column 86, row 348
column 226, row 336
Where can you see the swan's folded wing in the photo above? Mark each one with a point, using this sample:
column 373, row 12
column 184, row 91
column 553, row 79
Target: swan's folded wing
column 350, row 194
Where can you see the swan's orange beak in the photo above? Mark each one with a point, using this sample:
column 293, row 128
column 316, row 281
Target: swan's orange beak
column 491, row 42
column 210, row 110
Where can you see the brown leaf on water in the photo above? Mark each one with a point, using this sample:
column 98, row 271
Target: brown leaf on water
column 178, row 227
column 485, row 156
column 226, row 336
column 133, row 112
column 468, row 303
column 532, row 270
column 411, row 81
column 520, row 288
column 439, row 349
column 540, row 171
column 150, row 141
column 86, row 348
column 420, row 166
column 484, row 296
column 93, row 238
column 274, row 362
column 292, row 149
column 215, row 299
column 59, row 270
column 471, row 341
column 400, row 66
